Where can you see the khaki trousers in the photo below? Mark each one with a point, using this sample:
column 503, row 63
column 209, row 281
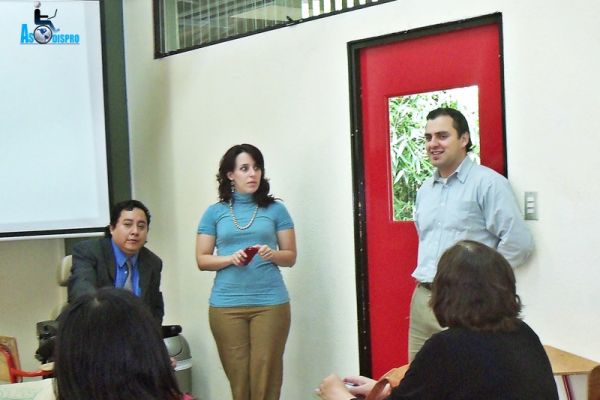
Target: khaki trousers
column 251, row 342
column 422, row 324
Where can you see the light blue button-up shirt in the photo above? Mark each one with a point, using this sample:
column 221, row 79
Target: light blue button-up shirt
column 475, row 203
column 121, row 270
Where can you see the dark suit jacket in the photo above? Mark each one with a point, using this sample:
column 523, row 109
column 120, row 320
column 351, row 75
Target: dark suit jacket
column 94, row 267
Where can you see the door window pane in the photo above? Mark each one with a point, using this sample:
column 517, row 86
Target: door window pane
column 410, row 165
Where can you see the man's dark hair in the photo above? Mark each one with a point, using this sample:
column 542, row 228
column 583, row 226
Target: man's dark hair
column 227, row 164
column 127, row 205
column 109, row 347
column 474, row 288
column 459, row 122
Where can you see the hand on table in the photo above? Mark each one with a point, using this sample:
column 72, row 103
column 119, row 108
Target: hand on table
column 361, row 385
column 333, row 388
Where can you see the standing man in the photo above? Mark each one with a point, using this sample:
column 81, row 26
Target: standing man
column 462, row 200
column 120, row 259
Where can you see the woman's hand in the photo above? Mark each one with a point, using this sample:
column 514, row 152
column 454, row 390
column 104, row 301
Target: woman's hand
column 332, row 388
column 265, row 252
column 239, row 258
column 361, row 386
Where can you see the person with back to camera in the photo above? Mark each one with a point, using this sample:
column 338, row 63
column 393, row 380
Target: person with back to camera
column 108, row 347
column 249, row 310
column 487, row 352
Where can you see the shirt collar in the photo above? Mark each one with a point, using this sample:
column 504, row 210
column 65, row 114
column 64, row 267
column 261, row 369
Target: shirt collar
column 121, row 257
column 461, row 172
column 242, row 197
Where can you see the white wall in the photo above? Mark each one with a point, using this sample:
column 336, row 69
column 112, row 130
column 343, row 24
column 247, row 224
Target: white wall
column 287, row 92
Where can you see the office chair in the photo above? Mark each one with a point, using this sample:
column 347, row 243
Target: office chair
column 10, row 366
column 62, row 278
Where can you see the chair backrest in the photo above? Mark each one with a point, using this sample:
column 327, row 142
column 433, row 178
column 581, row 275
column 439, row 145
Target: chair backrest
column 594, row 384
column 64, row 270
column 62, row 278
column 9, row 343
column 10, row 365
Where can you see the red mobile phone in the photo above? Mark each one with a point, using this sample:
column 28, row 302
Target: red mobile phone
column 250, row 253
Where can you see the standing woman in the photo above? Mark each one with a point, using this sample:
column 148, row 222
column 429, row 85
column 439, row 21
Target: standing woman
column 249, row 310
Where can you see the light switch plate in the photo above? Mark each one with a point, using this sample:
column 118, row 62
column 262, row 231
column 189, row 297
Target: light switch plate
column 531, row 206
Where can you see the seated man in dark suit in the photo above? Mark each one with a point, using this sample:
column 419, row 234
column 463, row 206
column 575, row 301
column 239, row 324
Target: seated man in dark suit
column 120, row 259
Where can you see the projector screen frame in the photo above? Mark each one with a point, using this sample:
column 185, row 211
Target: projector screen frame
column 116, row 123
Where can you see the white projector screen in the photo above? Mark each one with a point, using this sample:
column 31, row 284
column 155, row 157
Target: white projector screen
column 53, row 162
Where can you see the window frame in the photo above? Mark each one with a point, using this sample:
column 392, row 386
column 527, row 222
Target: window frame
column 159, row 31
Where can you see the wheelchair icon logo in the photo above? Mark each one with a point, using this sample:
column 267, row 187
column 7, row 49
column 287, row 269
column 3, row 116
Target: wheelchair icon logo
column 43, row 33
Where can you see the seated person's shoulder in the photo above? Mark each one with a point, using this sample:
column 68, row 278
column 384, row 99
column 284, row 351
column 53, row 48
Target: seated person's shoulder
column 449, row 338
column 91, row 243
column 149, row 256
column 526, row 331
column 93, row 246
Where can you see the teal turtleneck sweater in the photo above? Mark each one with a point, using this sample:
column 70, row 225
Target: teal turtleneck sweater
column 260, row 282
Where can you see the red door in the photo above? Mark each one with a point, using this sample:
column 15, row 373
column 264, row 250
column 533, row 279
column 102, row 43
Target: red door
column 457, row 57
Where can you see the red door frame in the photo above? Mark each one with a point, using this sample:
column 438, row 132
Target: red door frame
column 495, row 157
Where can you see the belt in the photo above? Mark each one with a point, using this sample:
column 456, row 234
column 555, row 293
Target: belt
column 425, row 285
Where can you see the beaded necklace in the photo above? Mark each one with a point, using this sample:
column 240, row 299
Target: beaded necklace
column 235, row 221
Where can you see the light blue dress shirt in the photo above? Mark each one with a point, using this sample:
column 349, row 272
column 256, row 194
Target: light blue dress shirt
column 121, row 272
column 475, row 203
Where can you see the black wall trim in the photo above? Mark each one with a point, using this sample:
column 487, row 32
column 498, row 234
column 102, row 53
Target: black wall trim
column 115, row 97
column 115, row 107
column 360, row 221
